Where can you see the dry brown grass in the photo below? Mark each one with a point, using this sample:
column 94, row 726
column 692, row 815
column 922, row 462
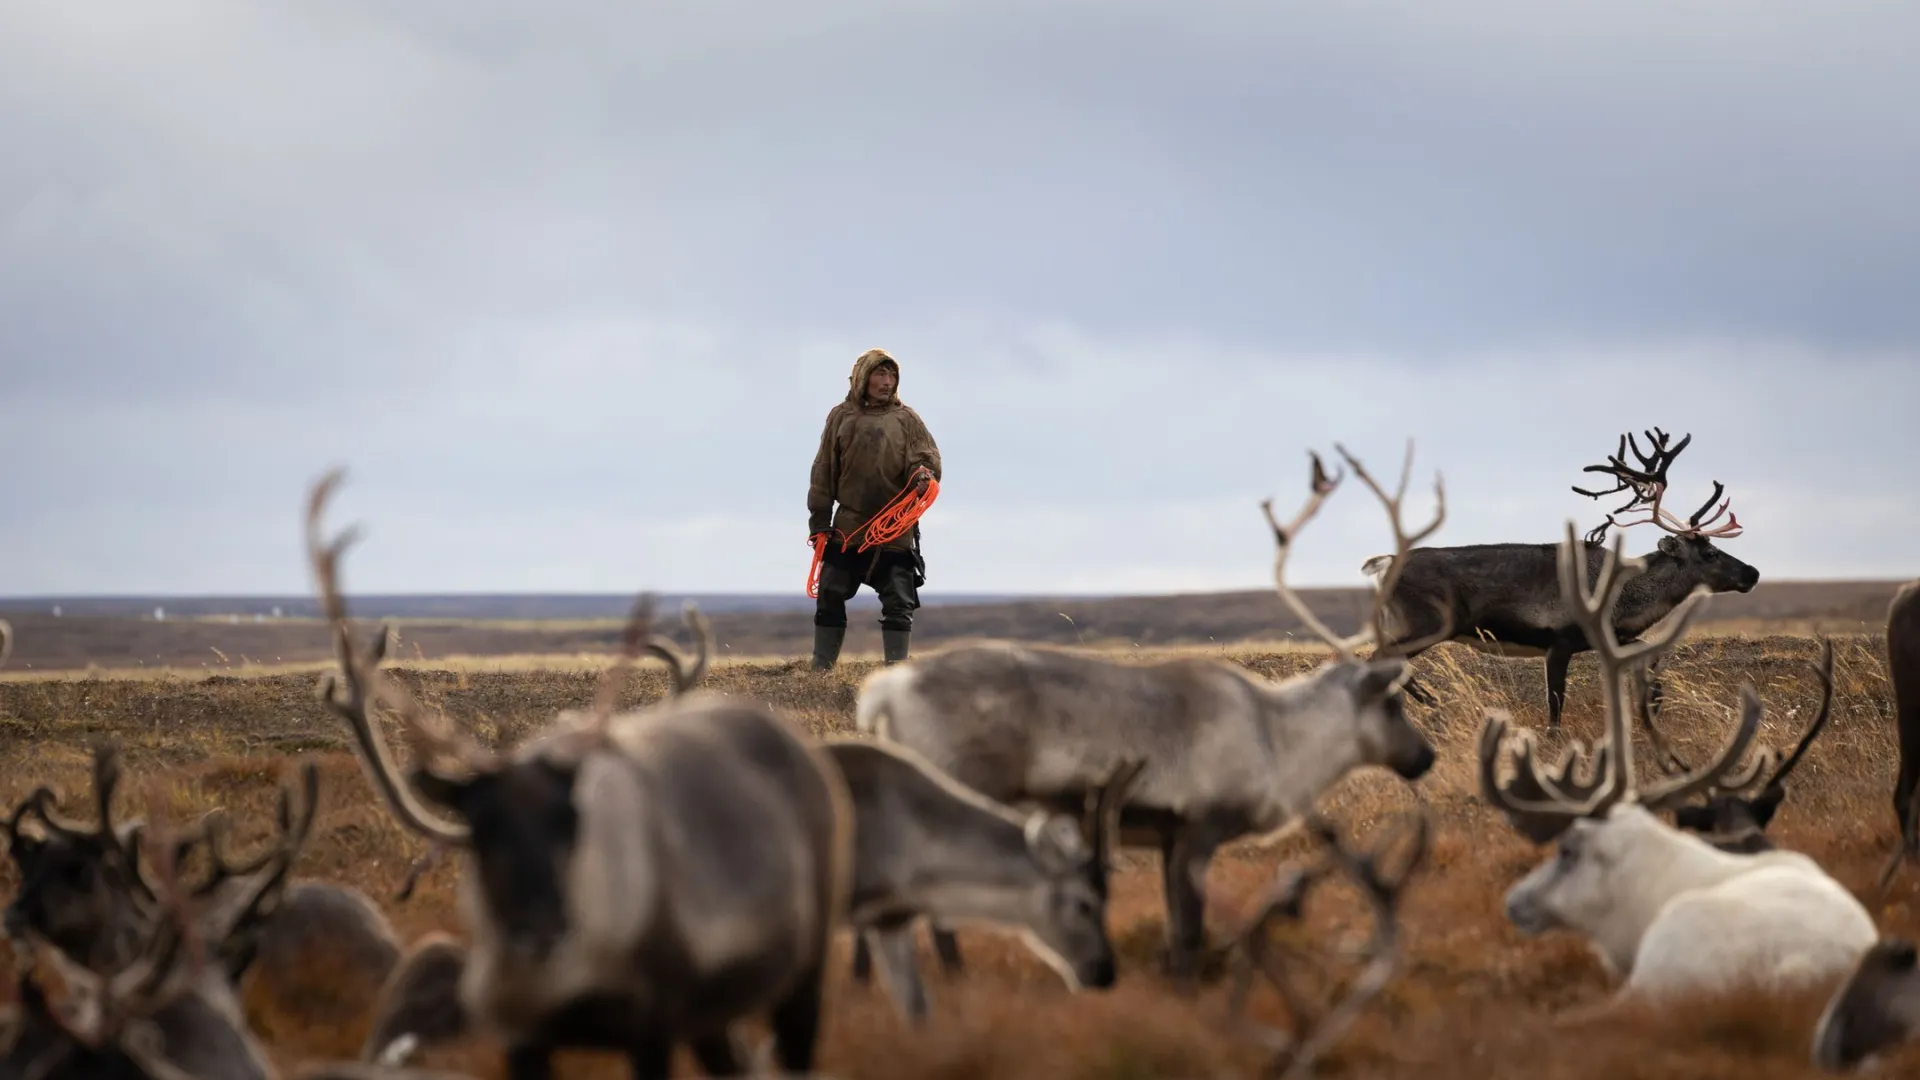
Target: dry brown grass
column 1474, row 1000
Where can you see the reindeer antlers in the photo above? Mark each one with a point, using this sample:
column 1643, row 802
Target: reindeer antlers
column 1649, row 486
column 1542, row 805
column 1375, row 630
column 361, row 686
column 1285, row 898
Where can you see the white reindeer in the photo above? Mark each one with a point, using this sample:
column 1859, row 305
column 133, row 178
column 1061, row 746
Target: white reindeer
column 1663, row 908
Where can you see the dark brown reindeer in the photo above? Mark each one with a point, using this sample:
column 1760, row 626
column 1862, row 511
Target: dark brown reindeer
column 1876, row 1011
column 86, row 890
column 1505, row 599
column 632, row 880
column 168, row 1013
column 1903, row 670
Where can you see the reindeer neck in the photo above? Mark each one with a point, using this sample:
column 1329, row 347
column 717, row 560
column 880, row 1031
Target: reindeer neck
column 1310, row 732
column 1648, row 598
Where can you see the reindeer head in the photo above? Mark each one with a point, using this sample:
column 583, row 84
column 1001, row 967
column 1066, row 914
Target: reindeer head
column 88, row 891
column 1690, row 543
column 160, row 1013
column 1066, row 919
column 1592, row 801
column 514, row 814
column 1371, row 692
column 1876, row 1009
column 81, row 888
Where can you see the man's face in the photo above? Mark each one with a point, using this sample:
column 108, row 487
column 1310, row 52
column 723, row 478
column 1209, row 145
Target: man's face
column 880, row 383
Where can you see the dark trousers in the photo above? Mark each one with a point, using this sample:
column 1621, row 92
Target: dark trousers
column 893, row 575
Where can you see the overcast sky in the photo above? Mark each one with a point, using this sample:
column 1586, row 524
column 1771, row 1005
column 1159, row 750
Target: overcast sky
column 570, row 287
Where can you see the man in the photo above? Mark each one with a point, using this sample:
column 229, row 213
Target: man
column 871, row 449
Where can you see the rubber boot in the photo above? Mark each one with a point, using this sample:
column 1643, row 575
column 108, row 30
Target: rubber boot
column 894, row 644
column 826, row 646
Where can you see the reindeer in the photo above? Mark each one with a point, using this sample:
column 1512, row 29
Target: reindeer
column 1228, row 753
column 1876, row 1009
column 631, row 880
column 1662, row 908
column 170, row 1013
column 419, row 1004
column 1903, row 667
column 1501, row 598
column 86, row 891
column 163, row 1007
column 926, row 846
column 1734, row 822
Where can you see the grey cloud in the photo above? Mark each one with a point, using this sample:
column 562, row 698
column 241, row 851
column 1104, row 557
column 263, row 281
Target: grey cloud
column 564, row 282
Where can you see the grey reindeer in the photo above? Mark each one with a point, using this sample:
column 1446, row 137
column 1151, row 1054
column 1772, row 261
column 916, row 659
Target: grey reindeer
column 631, row 881
column 925, row 846
column 1504, row 599
column 1228, row 753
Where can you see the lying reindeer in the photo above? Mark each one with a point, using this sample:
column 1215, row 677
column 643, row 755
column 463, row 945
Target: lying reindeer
column 86, row 891
column 1875, row 1011
column 1229, row 754
column 632, row 880
column 1663, row 909
column 926, row 846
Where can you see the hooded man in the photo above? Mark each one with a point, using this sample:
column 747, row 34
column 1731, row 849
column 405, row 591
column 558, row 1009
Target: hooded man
column 871, row 448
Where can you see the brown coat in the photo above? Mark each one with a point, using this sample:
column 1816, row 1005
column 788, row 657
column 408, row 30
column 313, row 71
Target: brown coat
column 866, row 454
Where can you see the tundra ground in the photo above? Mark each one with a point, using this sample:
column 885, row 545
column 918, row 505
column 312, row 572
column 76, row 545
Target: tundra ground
column 1474, row 998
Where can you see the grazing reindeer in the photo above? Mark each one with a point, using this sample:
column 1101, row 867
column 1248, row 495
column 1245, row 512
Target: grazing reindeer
column 165, row 1008
column 419, row 1004
column 1502, row 598
column 925, row 846
column 1874, row 1011
column 85, row 890
column 1903, row 664
column 632, row 880
column 1228, row 753
column 170, row 1013
column 1660, row 906
column 1734, row 822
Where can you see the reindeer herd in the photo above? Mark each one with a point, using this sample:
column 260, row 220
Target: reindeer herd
column 640, row 880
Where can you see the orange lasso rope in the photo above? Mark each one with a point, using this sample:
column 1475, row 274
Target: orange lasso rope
column 891, row 523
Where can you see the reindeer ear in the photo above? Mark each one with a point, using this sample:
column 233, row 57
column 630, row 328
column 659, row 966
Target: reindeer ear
column 1765, row 804
column 1670, row 545
column 1055, row 842
column 1378, row 678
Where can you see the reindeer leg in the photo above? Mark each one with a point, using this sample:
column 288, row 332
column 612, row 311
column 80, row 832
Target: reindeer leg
column 718, row 1055
column 948, row 946
column 862, row 960
column 651, row 1058
column 1185, row 852
column 796, row 1023
column 534, row 1061
column 1559, row 656
column 902, row 976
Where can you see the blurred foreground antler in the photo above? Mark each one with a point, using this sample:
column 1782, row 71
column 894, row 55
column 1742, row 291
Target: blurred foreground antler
column 1254, row 950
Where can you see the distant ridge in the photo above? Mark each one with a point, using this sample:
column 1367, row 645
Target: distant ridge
column 539, row 606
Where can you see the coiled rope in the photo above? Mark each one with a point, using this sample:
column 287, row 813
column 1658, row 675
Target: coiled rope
column 891, row 523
